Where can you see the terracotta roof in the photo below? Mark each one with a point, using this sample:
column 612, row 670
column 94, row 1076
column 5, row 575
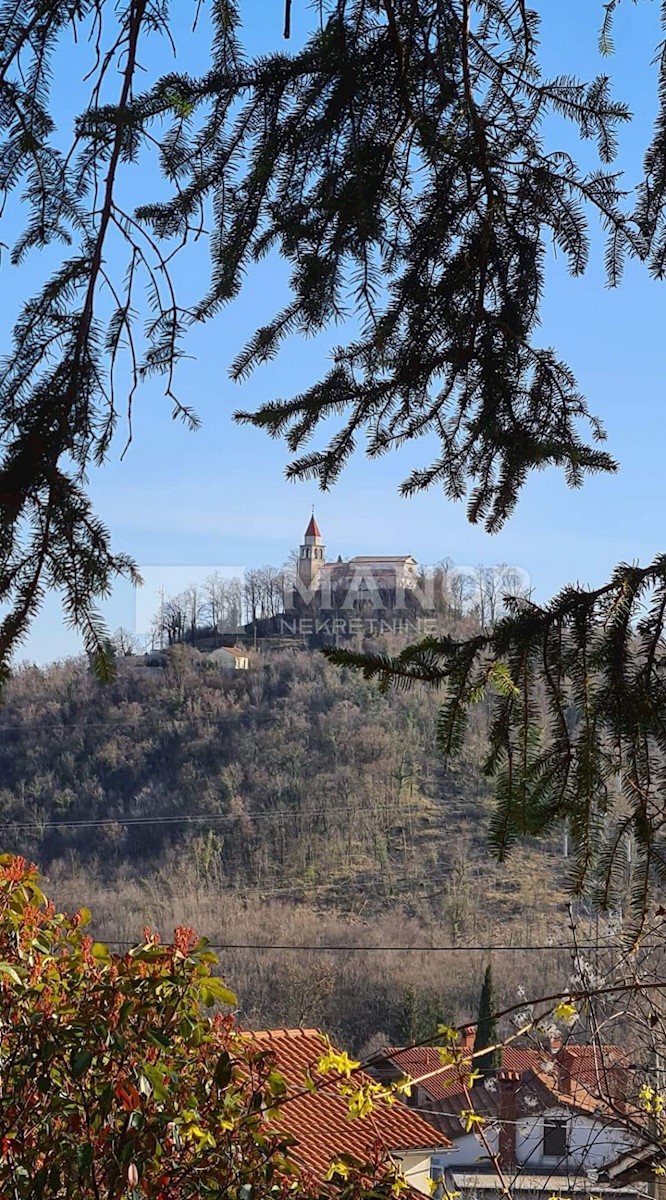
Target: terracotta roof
column 319, row 1120
column 585, row 1078
column 313, row 528
column 588, row 1065
column 532, row 1094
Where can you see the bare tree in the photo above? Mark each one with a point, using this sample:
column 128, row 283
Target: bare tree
column 193, row 609
column 251, row 597
column 490, row 586
column 461, row 587
column 514, row 583
column 173, row 619
column 233, row 607
column 271, row 591
column 442, row 573
column 125, row 642
column 213, row 597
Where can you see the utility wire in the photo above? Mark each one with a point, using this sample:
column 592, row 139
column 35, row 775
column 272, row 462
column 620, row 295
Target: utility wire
column 243, row 718
column 273, row 946
column 268, row 815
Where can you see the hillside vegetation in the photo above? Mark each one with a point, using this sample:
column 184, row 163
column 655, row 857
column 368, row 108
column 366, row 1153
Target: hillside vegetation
column 291, row 803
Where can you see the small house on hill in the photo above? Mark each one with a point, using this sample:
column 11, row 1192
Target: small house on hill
column 319, row 1120
column 228, row 658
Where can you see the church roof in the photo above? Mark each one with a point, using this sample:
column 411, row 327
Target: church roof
column 369, row 558
column 313, row 528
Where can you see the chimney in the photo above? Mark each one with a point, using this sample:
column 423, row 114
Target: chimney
column 564, row 1063
column 467, row 1039
column 507, row 1084
column 567, row 1071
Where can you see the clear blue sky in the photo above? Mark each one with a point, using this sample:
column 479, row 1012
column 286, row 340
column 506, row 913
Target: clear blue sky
column 218, row 497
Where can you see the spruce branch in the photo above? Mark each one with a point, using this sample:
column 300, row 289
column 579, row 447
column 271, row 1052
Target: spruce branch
column 578, row 726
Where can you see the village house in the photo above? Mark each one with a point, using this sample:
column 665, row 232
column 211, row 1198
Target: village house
column 319, row 1120
column 228, row 658
column 554, row 1119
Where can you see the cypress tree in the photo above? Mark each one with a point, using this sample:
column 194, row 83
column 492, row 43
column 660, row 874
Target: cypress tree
column 486, row 1030
column 408, row 1017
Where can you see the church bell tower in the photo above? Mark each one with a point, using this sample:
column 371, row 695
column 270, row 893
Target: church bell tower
column 312, row 555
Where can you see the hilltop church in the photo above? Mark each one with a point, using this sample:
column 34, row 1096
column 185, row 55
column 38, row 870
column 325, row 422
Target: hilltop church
column 364, row 575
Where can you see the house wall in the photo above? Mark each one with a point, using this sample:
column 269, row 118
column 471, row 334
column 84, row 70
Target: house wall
column 226, row 661
column 469, row 1150
column 416, row 1169
column 591, row 1142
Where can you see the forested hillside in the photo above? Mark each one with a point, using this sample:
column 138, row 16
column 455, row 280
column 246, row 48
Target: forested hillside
column 291, row 803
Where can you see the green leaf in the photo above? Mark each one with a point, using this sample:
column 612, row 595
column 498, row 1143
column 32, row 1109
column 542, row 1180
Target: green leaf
column 223, row 1070
column 275, row 1083
column 5, row 969
column 212, row 986
column 158, row 1039
column 157, row 1075
column 100, row 952
column 147, row 953
column 84, row 1158
column 81, row 1063
column 39, row 1182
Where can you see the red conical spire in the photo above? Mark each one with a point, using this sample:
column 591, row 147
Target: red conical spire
column 313, row 528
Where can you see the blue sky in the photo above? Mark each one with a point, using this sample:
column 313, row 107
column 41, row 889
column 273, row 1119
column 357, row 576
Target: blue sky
column 218, row 497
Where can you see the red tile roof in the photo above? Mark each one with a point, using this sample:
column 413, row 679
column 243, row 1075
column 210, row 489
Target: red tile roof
column 587, row 1078
column 319, row 1120
column 313, row 528
column 588, row 1065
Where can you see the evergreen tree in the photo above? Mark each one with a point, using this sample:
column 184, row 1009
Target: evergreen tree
column 421, row 1012
column 486, row 1030
column 408, row 1018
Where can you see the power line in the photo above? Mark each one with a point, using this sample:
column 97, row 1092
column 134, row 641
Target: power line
column 245, row 718
column 273, row 946
column 270, row 814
